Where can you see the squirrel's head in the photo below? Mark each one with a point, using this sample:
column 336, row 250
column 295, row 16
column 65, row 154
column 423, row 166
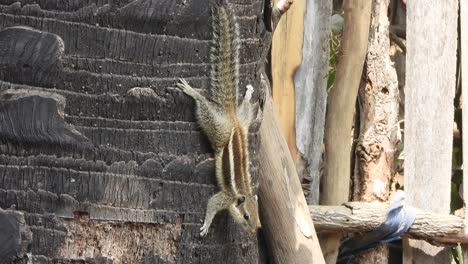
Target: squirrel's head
column 246, row 212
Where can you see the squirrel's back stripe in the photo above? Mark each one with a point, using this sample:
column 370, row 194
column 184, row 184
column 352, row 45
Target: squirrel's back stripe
column 240, row 153
column 228, row 167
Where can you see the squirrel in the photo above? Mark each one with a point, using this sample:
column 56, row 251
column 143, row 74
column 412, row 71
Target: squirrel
column 226, row 124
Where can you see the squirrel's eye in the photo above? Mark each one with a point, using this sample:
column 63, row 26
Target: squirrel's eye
column 246, row 216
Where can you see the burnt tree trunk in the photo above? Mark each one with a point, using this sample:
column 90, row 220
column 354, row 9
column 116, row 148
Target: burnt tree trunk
column 100, row 157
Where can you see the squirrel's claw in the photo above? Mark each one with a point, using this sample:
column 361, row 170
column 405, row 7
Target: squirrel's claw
column 204, row 230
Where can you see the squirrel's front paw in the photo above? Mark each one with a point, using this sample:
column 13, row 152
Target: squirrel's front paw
column 187, row 89
column 248, row 92
column 204, row 230
column 183, row 84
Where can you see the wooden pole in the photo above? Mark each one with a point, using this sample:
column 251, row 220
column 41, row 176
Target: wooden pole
column 339, row 120
column 378, row 115
column 310, row 86
column 429, row 93
column 285, row 59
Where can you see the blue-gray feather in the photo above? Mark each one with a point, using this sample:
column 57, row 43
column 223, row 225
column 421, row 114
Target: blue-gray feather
column 399, row 220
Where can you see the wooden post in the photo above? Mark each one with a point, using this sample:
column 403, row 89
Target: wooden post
column 378, row 104
column 285, row 59
column 429, row 93
column 339, row 118
column 311, row 90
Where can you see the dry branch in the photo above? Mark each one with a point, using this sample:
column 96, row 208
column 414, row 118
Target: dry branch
column 363, row 217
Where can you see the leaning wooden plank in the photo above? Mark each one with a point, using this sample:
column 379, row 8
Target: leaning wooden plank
column 362, row 217
column 285, row 59
column 285, row 217
column 341, row 106
column 429, row 93
column 464, row 73
column 310, row 83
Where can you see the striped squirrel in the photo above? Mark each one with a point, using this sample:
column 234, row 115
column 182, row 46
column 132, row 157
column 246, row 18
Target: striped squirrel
column 226, row 124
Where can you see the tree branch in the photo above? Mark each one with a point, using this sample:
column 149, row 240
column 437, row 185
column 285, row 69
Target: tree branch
column 363, row 217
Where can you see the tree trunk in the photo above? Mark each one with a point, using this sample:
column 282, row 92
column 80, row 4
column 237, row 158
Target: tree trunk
column 429, row 94
column 378, row 101
column 104, row 160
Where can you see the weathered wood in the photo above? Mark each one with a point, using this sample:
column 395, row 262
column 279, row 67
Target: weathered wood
column 310, row 83
column 464, row 85
column 288, row 227
column 339, row 119
column 363, row 217
column 285, row 59
column 429, row 93
column 378, row 114
column 378, row 101
column 38, row 119
column 138, row 193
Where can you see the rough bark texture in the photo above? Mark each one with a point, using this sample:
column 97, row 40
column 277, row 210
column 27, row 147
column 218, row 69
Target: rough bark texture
column 363, row 217
column 429, row 93
column 16, row 235
column 310, row 83
column 339, row 120
column 105, row 161
column 378, row 101
column 464, row 73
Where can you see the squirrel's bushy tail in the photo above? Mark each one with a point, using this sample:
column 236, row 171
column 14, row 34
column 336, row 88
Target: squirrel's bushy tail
column 224, row 55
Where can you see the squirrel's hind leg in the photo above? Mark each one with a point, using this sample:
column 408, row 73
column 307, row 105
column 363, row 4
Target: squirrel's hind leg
column 213, row 119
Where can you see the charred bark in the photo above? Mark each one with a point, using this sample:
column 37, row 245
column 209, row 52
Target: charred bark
column 101, row 156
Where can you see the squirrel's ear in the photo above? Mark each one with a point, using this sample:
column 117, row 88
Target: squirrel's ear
column 255, row 198
column 240, row 200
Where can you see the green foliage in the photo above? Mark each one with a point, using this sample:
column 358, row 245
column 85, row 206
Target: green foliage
column 457, row 254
